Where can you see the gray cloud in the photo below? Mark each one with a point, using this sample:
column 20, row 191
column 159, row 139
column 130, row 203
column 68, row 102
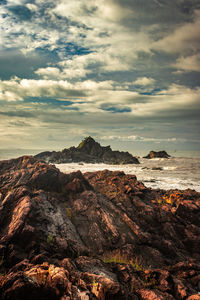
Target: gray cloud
column 15, row 63
column 109, row 68
column 20, row 11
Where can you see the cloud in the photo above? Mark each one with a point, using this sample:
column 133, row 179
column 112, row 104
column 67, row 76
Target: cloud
column 188, row 63
column 103, row 67
column 184, row 38
column 14, row 63
column 87, row 12
column 18, row 89
column 76, row 67
column 144, row 81
column 21, row 11
column 116, row 45
column 137, row 138
column 49, row 72
column 32, row 7
column 102, row 97
column 44, row 119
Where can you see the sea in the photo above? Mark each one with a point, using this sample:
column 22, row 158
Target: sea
column 180, row 171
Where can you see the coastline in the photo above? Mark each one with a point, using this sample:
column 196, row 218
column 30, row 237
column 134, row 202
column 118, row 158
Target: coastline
column 14, row 153
column 102, row 234
column 175, row 172
column 172, row 173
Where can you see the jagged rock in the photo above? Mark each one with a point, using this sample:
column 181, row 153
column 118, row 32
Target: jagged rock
column 159, row 154
column 100, row 235
column 88, row 151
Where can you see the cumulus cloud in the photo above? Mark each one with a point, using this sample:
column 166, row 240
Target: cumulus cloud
column 32, row 7
column 75, row 67
column 188, row 63
column 144, row 81
column 114, row 46
column 49, row 72
column 18, row 89
column 90, row 96
column 99, row 64
column 184, row 38
column 89, row 12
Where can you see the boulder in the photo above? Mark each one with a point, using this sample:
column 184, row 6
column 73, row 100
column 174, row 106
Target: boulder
column 159, row 154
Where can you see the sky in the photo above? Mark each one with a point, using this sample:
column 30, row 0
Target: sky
column 126, row 72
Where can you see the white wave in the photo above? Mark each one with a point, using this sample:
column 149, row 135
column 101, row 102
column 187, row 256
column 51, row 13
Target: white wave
column 168, row 184
column 169, row 168
column 175, row 173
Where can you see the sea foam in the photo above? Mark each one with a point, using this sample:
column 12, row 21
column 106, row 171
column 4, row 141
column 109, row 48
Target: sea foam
column 172, row 173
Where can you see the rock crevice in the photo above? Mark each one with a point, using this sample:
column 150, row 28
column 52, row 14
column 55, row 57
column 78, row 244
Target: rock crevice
column 99, row 235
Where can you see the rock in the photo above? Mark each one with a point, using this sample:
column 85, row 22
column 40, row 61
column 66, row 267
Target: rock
column 99, row 235
column 88, row 151
column 159, row 154
column 36, row 282
column 146, row 294
column 157, row 169
column 194, row 297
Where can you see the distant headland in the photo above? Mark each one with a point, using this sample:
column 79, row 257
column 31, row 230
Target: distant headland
column 88, row 151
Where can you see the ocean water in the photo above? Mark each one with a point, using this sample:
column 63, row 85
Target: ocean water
column 14, row 153
column 173, row 173
column 180, row 171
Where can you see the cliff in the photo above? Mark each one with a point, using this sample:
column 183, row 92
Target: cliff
column 100, row 235
column 88, row 151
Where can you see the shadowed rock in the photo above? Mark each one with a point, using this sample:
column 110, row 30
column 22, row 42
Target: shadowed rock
column 100, row 235
column 88, row 151
column 159, row 154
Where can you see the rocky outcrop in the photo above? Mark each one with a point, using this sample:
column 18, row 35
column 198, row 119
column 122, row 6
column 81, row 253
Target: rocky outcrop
column 100, row 235
column 88, row 151
column 159, row 154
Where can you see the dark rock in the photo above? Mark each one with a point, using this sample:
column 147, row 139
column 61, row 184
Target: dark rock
column 159, row 154
column 88, row 151
column 101, row 235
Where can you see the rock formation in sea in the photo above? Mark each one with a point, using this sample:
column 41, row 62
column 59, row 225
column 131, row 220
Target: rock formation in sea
column 159, row 154
column 88, row 151
column 100, row 235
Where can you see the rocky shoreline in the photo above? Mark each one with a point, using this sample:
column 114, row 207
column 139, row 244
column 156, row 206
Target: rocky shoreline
column 99, row 235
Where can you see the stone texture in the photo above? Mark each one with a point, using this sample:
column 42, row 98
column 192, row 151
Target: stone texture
column 100, row 235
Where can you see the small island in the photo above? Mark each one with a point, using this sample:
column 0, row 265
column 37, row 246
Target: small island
column 88, row 151
column 157, row 154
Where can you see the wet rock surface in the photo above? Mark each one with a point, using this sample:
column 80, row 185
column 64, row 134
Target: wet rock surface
column 88, row 151
column 100, row 235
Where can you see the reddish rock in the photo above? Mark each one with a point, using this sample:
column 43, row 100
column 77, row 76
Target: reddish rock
column 100, row 235
column 194, row 297
column 146, row 294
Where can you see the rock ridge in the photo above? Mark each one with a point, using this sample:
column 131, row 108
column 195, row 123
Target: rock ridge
column 88, row 151
column 99, row 235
